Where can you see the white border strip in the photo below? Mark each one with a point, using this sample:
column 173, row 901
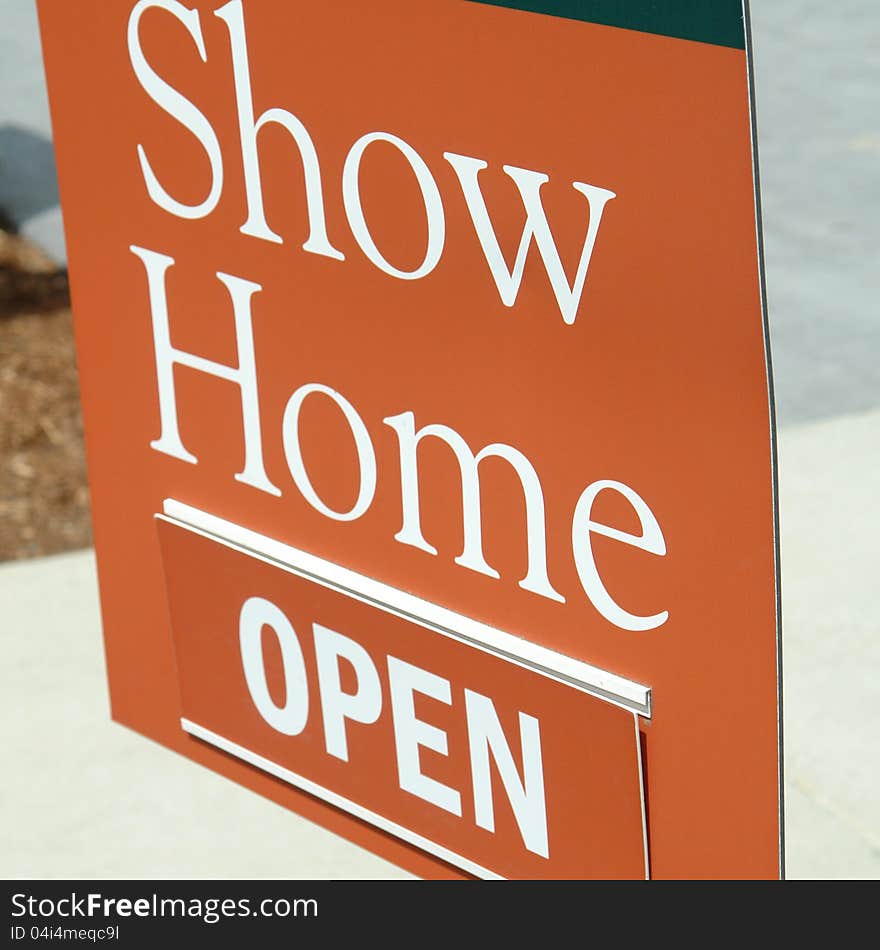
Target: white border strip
column 332, row 798
column 589, row 679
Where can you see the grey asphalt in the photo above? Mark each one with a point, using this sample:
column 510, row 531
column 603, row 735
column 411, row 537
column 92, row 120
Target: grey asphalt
column 817, row 71
column 818, row 85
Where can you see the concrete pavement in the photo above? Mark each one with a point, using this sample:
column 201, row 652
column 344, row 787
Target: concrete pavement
column 831, row 644
column 817, row 86
column 85, row 798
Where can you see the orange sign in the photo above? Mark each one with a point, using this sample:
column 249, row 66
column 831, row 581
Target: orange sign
column 464, row 300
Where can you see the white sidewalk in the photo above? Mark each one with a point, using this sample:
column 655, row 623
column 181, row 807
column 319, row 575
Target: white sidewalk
column 831, row 640
column 83, row 797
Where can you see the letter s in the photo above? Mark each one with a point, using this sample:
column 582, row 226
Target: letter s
column 177, row 106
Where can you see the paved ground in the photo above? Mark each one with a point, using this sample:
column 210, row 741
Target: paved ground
column 818, row 88
column 832, row 649
column 818, row 82
column 88, row 798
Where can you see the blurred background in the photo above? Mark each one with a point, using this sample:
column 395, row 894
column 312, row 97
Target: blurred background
column 85, row 798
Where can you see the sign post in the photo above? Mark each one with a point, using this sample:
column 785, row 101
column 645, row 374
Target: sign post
column 428, row 415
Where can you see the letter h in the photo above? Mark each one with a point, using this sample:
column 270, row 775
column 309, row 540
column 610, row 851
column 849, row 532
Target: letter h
column 244, row 375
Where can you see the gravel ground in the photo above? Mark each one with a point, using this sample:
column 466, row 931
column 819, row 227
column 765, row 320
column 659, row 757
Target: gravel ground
column 44, row 498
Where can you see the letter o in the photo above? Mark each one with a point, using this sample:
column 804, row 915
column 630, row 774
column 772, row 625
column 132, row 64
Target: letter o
column 351, row 198
column 293, row 453
column 256, row 613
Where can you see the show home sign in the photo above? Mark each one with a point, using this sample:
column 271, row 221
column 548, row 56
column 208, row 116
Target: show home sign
column 426, row 403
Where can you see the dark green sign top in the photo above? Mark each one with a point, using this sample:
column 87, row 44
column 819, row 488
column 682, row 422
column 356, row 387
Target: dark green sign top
column 719, row 22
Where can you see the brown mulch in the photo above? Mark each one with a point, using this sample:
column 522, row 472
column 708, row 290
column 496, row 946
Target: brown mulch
column 44, row 498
